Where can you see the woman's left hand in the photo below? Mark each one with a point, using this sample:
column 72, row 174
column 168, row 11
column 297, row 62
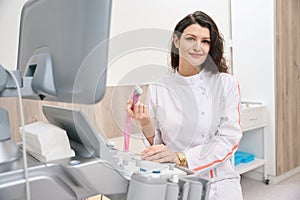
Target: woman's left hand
column 160, row 153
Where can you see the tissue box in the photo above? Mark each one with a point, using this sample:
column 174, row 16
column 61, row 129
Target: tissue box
column 47, row 142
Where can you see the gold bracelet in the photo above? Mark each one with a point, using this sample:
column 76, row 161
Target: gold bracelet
column 181, row 158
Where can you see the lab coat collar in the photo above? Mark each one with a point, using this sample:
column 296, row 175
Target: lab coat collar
column 191, row 80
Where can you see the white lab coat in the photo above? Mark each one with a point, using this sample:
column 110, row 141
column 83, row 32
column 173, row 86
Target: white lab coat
column 199, row 115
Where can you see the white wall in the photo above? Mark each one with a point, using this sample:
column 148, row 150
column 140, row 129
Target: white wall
column 142, row 65
column 127, row 16
column 253, row 58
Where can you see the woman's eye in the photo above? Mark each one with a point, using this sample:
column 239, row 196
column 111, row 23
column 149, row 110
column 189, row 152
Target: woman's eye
column 206, row 41
column 190, row 39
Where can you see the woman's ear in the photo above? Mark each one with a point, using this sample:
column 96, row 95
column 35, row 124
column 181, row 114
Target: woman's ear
column 176, row 41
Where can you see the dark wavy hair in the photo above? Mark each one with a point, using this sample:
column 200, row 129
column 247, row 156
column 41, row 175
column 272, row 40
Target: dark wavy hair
column 216, row 40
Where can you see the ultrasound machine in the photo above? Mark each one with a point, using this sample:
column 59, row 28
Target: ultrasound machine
column 62, row 57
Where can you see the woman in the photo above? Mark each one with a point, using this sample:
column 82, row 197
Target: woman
column 192, row 116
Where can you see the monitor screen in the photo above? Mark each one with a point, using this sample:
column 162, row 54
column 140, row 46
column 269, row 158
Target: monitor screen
column 63, row 46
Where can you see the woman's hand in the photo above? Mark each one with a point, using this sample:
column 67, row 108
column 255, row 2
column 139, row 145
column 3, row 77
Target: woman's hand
column 140, row 112
column 160, row 153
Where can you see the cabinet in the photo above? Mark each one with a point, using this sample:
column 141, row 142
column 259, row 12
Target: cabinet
column 254, row 116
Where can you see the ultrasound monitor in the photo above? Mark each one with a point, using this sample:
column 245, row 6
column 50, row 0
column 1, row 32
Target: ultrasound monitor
column 63, row 46
column 62, row 56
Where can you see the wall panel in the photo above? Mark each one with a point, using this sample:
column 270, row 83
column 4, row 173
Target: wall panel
column 287, row 84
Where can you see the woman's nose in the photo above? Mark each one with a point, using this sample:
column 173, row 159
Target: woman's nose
column 198, row 46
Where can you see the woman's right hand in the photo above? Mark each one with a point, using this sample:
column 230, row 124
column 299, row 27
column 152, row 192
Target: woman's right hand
column 140, row 112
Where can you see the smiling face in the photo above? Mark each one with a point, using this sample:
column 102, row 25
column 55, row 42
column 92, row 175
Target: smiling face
column 193, row 47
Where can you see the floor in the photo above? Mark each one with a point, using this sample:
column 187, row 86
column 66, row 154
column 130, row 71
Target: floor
column 285, row 190
column 255, row 190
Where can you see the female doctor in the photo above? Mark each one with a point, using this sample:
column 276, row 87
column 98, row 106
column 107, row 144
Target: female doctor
column 192, row 116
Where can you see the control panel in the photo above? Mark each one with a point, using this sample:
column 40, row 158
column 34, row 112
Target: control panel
column 130, row 163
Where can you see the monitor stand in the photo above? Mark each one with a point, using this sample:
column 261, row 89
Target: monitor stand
column 9, row 150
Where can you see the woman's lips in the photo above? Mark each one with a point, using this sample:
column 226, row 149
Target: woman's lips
column 195, row 55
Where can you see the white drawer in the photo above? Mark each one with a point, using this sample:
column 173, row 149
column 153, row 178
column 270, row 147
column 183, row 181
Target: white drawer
column 253, row 117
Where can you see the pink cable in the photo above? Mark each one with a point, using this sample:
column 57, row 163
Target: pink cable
column 127, row 133
column 135, row 99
